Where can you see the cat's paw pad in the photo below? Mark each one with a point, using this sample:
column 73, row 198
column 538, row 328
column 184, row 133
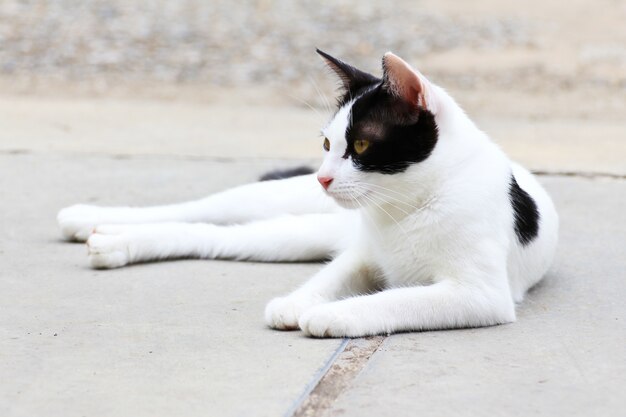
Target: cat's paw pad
column 282, row 313
column 77, row 222
column 328, row 321
column 108, row 249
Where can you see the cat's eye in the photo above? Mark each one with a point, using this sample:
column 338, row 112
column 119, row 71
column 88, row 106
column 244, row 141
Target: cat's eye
column 361, row 145
column 326, row 144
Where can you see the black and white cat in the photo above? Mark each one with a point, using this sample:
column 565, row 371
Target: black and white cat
column 428, row 224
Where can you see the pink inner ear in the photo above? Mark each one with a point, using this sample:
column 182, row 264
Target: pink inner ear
column 403, row 80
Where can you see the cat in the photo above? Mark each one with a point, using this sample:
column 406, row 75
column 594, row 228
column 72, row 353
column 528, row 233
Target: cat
column 427, row 222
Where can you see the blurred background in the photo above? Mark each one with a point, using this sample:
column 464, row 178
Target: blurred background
column 139, row 102
column 538, row 73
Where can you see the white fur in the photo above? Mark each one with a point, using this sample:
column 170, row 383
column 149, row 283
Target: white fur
column 430, row 248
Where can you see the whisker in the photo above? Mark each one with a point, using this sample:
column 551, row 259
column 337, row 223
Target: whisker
column 306, row 104
column 383, row 201
column 364, row 211
column 319, row 93
column 425, row 205
column 379, row 197
column 385, row 188
column 386, row 212
column 381, row 194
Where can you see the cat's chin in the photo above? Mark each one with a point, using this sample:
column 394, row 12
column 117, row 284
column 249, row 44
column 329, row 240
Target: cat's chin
column 348, row 203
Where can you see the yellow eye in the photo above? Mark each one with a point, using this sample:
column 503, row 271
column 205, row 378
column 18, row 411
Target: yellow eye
column 326, row 144
column 360, row 145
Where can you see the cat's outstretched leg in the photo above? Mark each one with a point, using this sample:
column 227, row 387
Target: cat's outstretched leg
column 305, row 237
column 347, row 275
column 255, row 201
column 444, row 305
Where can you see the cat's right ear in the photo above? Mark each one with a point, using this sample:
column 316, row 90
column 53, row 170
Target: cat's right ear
column 406, row 83
column 351, row 78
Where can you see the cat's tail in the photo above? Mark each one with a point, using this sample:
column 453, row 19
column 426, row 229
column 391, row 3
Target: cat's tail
column 281, row 174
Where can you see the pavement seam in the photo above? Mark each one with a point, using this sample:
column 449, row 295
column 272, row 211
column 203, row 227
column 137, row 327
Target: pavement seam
column 344, row 367
column 300, row 160
column 316, row 378
column 579, row 174
column 158, row 156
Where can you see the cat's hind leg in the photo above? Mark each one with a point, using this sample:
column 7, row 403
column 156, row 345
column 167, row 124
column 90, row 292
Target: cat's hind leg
column 255, row 201
column 288, row 238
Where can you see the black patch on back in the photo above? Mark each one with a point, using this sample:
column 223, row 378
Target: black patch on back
column 525, row 212
column 400, row 133
column 281, row 174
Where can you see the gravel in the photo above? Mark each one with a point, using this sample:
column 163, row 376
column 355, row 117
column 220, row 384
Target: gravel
column 101, row 46
column 264, row 41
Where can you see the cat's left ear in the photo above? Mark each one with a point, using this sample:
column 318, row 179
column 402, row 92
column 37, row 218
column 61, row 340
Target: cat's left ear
column 351, row 78
column 405, row 82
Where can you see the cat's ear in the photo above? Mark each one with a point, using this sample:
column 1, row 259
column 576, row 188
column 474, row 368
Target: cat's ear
column 351, row 78
column 405, row 82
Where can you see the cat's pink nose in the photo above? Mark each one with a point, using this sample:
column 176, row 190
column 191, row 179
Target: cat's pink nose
column 325, row 181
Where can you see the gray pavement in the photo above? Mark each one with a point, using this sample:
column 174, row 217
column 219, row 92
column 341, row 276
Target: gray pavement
column 187, row 337
column 236, row 126
column 181, row 338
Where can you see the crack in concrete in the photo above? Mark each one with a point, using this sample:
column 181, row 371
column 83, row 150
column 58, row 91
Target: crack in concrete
column 580, row 174
column 158, row 156
column 344, row 368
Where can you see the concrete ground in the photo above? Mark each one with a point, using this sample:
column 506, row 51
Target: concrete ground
column 187, row 338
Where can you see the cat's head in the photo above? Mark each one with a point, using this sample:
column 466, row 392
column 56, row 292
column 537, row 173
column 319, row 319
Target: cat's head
column 382, row 129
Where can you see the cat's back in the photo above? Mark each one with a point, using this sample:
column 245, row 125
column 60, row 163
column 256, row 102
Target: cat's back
column 534, row 234
column 511, row 198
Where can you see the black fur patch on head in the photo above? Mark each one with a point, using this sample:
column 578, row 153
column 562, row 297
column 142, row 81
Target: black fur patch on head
column 281, row 174
column 400, row 133
column 525, row 212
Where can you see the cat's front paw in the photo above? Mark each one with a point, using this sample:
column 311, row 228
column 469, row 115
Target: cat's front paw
column 331, row 320
column 282, row 313
column 108, row 248
column 78, row 221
